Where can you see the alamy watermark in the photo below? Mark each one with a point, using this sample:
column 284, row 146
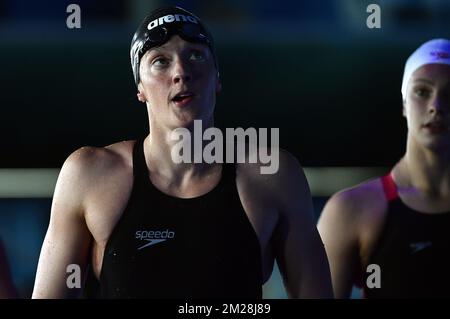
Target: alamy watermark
column 374, row 279
column 73, row 21
column 74, row 278
column 374, row 19
column 192, row 148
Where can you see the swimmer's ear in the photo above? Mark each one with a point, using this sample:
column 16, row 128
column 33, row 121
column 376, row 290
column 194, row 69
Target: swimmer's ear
column 218, row 83
column 141, row 96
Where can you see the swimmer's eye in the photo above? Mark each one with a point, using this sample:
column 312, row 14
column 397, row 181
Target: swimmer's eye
column 422, row 92
column 197, row 56
column 160, row 62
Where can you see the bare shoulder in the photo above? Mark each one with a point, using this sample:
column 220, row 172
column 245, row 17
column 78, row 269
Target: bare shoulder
column 92, row 162
column 358, row 201
column 285, row 188
column 87, row 167
column 357, row 211
column 284, row 166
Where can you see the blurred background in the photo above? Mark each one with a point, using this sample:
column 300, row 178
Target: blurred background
column 311, row 68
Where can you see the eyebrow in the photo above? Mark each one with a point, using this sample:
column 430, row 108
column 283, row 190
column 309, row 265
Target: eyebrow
column 158, row 49
column 152, row 52
column 424, row 80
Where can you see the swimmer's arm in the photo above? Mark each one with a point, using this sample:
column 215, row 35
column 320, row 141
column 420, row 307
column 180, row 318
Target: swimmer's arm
column 299, row 251
column 68, row 239
column 338, row 229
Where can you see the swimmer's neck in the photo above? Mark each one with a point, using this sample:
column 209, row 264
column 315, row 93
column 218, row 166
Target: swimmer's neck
column 425, row 169
column 158, row 149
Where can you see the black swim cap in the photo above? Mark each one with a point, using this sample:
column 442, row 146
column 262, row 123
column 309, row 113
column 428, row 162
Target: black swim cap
column 160, row 25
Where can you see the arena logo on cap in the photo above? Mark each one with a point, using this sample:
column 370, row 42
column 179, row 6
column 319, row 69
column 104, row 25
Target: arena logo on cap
column 171, row 18
column 440, row 54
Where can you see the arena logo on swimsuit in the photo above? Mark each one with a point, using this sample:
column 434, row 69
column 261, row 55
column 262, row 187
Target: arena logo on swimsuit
column 171, row 18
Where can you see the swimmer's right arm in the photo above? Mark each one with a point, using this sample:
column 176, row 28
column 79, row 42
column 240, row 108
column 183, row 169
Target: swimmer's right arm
column 68, row 239
column 338, row 227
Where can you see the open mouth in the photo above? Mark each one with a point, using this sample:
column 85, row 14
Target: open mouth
column 183, row 98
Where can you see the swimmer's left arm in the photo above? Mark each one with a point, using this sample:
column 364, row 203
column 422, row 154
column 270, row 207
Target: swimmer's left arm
column 298, row 247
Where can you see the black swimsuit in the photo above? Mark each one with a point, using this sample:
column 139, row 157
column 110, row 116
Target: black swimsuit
column 169, row 247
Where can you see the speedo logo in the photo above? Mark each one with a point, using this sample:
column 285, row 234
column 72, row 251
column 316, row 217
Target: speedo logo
column 169, row 19
column 154, row 236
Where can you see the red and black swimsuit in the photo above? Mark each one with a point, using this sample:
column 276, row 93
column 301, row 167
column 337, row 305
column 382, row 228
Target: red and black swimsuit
column 413, row 251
